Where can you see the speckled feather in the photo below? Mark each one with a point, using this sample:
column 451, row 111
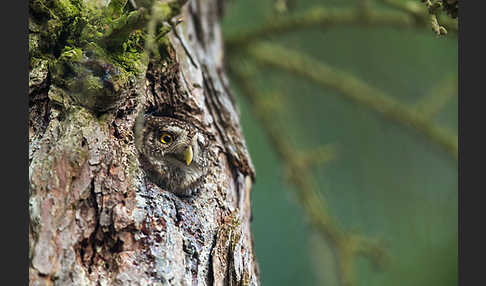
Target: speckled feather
column 159, row 160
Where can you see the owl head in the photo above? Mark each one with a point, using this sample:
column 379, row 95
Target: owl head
column 173, row 153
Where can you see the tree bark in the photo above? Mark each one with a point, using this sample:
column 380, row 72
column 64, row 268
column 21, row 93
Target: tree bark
column 95, row 218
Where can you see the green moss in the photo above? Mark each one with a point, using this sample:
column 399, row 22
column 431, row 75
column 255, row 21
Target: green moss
column 164, row 9
column 67, row 9
column 115, row 8
column 38, row 72
column 132, row 62
column 58, row 97
column 34, row 45
column 95, row 81
column 95, row 52
column 53, row 31
column 71, row 54
column 64, row 67
column 38, row 63
column 130, row 56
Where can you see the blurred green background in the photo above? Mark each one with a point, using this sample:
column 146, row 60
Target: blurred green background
column 387, row 181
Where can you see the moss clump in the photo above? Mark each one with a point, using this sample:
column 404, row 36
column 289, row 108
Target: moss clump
column 120, row 29
column 94, row 52
column 129, row 56
column 34, row 40
column 93, row 79
column 57, row 19
column 38, row 74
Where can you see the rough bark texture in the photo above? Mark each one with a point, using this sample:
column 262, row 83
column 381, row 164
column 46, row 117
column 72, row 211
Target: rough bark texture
column 95, row 219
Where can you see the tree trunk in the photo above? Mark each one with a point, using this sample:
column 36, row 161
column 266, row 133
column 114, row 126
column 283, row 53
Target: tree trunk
column 95, row 217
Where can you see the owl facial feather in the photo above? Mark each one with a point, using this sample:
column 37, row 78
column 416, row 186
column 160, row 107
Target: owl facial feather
column 178, row 166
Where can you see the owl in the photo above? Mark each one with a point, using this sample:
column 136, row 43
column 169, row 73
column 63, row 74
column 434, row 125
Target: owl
column 173, row 153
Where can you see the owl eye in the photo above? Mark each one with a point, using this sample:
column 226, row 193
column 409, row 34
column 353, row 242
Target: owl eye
column 166, row 138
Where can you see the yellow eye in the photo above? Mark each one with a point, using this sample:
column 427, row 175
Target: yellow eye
column 166, row 138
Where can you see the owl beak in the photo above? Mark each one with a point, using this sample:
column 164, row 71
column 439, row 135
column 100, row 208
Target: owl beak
column 188, row 155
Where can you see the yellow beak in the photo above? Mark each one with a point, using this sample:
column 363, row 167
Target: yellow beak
column 188, row 155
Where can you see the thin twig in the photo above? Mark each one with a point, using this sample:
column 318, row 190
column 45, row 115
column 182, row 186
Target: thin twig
column 355, row 90
column 431, row 104
column 326, row 18
column 298, row 172
column 430, row 14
